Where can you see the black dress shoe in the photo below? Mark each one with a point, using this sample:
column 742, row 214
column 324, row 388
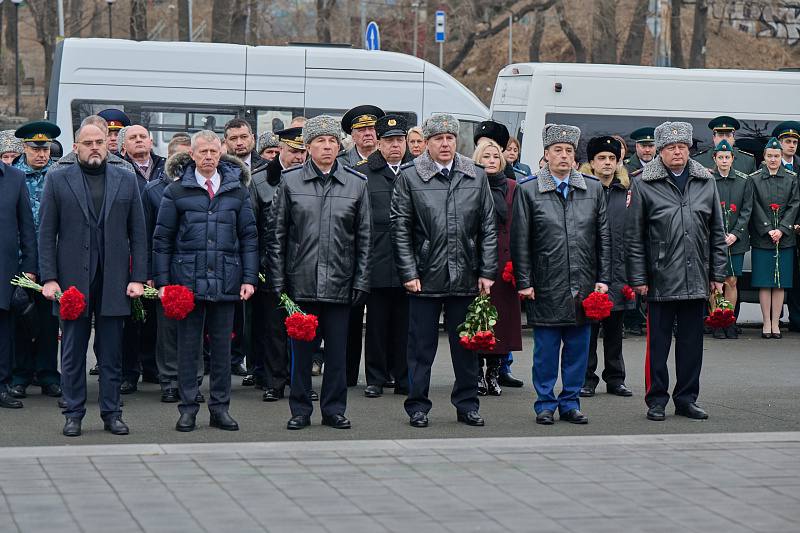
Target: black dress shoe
column 72, row 427
column 545, row 418
column 298, row 422
column 169, row 395
column 249, row 381
column 691, row 410
column 18, row 391
column 373, row 391
column 186, row 423
column 272, row 395
column 390, row 384
column 116, row 426
column 8, row 401
column 62, row 403
column 507, row 379
column 619, row 390
column 199, row 398
column 656, row 413
column 419, row 420
column 314, row 396
column 127, row 387
column 336, row 421
column 94, row 371
column 731, row 333
column 471, row 418
column 574, row 416
column 718, row 333
column 778, row 335
column 224, row 421
column 238, row 370
column 52, row 389
column 766, row 335
column 587, row 392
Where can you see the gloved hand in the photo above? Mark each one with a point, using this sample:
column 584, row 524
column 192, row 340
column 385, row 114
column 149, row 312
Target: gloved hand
column 358, row 298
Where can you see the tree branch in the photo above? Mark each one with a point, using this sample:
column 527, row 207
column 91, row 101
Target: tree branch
column 569, row 32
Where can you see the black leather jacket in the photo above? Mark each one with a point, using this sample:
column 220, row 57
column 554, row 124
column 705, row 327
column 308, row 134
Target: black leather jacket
column 559, row 247
column 319, row 248
column 262, row 191
column 443, row 229
column 676, row 241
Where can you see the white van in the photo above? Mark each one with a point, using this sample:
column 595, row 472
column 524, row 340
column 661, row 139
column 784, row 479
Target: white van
column 178, row 86
column 618, row 99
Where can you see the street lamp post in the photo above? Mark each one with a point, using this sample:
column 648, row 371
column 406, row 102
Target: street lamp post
column 110, row 3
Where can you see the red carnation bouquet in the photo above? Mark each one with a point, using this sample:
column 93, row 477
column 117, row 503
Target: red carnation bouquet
column 627, row 293
column 71, row 302
column 597, row 306
column 476, row 333
column 178, row 302
column 720, row 312
column 776, row 220
column 508, row 274
column 300, row 325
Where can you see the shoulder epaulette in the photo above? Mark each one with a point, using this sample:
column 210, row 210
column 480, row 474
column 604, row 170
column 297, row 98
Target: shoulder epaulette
column 520, row 172
column 589, row 176
column 292, row 169
column 754, row 173
column 637, row 172
column 740, row 173
column 479, row 165
column 355, row 172
column 626, row 160
column 790, row 172
column 745, row 153
column 702, row 152
column 526, row 179
column 362, row 162
column 407, row 165
column 340, row 154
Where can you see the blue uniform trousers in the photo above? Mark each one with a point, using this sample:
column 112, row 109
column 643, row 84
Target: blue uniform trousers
column 548, row 356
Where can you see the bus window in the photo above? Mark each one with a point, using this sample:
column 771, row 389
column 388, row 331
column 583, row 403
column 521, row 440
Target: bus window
column 466, row 132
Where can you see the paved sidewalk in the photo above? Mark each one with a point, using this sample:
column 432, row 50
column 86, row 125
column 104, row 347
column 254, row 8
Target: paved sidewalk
column 659, row 483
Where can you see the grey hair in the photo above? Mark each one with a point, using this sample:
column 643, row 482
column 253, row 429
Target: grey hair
column 95, row 120
column 206, row 135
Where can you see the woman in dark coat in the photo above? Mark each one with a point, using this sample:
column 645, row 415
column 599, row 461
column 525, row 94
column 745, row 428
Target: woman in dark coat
column 773, row 184
column 508, row 329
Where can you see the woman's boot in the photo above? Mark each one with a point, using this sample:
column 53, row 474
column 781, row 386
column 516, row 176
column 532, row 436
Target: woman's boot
column 492, row 376
column 481, row 379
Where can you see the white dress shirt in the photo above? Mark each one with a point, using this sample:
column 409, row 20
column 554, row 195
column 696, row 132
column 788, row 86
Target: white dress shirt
column 215, row 180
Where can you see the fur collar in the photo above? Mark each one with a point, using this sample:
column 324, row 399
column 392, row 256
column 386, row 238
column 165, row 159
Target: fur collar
column 376, row 162
column 426, row 167
column 547, row 183
column 655, row 170
column 177, row 165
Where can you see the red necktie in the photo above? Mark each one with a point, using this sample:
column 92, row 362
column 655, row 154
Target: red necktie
column 210, row 188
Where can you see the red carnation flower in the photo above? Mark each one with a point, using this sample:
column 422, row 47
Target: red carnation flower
column 628, row 293
column 597, row 306
column 722, row 204
column 774, row 207
column 301, row 327
column 178, row 302
column 733, row 208
column 72, row 303
column 508, row 274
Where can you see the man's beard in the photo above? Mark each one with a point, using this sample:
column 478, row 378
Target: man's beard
column 93, row 162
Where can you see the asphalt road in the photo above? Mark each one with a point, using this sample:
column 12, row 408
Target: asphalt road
column 747, row 385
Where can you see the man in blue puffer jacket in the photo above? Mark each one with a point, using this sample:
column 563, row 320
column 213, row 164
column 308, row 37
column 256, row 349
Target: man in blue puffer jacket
column 205, row 239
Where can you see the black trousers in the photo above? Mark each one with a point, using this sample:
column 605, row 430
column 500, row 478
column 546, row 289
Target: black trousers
column 36, row 353
column 269, row 357
column 139, row 345
column 688, row 351
column 217, row 317
column 387, row 337
column 333, row 321
column 5, row 349
column 355, row 332
column 108, row 350
column 614, row 371
column 239, row 344
column 423, row 339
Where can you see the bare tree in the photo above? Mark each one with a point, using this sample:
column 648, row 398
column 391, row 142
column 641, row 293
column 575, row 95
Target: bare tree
column 45, row 18
column 253, row 22
column 697, row 52
column 604, row 32
column 220, row 21
column 184, row 27
column 676, row 34
column 569, row 32
column 238, row 17
column 534, row 50
column 634, row 43
column 139, row 20
column 74, row 18
column 324, row 12
column 96, row 24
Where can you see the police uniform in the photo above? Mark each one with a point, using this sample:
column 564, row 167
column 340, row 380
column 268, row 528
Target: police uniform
column 642, row 136
column 36, row 335
column 387, row 305
column 363, row 116
column 742, row 161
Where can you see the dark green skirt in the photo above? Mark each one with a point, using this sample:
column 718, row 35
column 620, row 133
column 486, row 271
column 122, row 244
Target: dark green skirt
column 763, row 261
column 737, row 262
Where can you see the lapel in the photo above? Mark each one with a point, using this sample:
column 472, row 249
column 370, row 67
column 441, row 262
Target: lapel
column 75, row 182
column 113, row 181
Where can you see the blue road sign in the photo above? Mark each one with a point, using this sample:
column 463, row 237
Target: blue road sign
column 440, row 37
column 373, row 36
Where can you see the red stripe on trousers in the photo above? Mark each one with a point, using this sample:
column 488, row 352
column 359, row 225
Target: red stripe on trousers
column 647, row 355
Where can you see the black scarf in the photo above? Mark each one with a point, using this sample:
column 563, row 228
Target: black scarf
column 499, row 187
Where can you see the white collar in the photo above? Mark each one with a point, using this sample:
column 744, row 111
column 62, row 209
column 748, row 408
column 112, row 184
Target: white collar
column 440, row 166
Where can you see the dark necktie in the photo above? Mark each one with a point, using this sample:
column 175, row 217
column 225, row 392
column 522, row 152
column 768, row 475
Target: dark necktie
column 789, row 166
column 562, row 188
column 445, row 172
column 394, row 169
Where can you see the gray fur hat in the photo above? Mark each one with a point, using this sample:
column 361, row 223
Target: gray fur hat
column 560, row 133
column 267, row 140
column 673, row 132
column 121, row 137
column 438, row 124
column 9, row 143
column 321, row 125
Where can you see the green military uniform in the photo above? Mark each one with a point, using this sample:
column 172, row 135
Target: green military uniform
column 644, row 136
column 742, row 161
column 736, row 194
column 791, row 128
